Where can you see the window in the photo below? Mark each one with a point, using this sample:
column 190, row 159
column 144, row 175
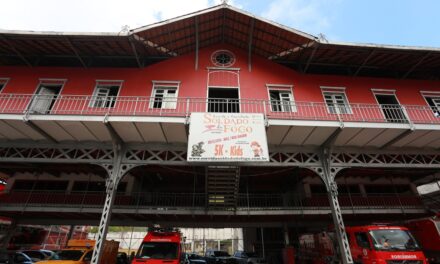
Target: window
column 105, row 94
column 337, row 102
column 164, row 95
column 281, row 98
column 362, row 240
column 434, row 103
column 46, row 95
column 223, row 58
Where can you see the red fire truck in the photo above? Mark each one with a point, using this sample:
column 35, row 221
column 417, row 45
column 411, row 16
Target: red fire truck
column 427, row 233
column 372, row 244
column 159, row 246
column 2, row 185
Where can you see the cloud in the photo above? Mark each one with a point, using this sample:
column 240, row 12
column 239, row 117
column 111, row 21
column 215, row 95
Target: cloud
column 91, row 15
column 311, row 16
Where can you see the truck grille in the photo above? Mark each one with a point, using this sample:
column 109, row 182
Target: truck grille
column 404, row 262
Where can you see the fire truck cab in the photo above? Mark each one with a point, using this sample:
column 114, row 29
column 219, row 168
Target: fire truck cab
column 159, row 246
column 427, row 233
column 381, row 244
column 2, row 185
column 371, row 244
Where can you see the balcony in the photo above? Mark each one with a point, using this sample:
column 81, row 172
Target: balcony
column 290, row 123
column 257, row 203
column 181, row 107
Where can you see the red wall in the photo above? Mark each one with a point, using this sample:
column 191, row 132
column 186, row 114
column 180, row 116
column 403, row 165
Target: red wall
column 138, row 82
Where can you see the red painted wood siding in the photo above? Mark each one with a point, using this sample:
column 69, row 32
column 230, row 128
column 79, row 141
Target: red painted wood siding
column 138, row 82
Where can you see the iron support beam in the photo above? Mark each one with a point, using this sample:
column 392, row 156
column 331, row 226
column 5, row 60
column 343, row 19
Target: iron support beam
column 116, row 139
column 364, row 62
column 173, row 154
column 116, row 172
column 136, row 55
column 416, row 65
column 72, row 47
column 328, row 174
column 311, row 57
column 40, row 131
column 18, row 53
column 396, row 139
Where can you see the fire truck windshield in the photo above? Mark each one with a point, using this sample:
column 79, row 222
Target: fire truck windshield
column 158, row 250
column 393, row 240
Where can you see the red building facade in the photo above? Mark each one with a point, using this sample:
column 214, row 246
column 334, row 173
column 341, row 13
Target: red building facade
column 93, row 119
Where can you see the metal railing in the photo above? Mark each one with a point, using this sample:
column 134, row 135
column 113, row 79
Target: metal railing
column 164, row 201
column 181, row 107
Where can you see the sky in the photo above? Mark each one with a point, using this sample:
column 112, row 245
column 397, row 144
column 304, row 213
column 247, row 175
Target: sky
column 396, row 22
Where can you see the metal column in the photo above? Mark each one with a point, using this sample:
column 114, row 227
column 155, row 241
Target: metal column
column 328, row 174
column 286, row 235
column 115, row 173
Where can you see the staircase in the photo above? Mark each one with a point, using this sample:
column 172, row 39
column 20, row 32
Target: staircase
column 222, row 187
column 432, row 201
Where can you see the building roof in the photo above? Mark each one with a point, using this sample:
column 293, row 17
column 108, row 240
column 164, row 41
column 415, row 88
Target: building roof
column 219, row 24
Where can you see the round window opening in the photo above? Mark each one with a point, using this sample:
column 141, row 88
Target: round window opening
column 223, row 58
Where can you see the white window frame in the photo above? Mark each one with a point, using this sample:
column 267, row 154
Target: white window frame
column 99, row 101
column 167, row 102
column 333, row 91
column 435, row 97
column 282, row 88
column 3, row 82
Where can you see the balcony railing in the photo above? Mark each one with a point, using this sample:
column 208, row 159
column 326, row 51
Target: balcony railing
column 182, row 107
column 164, row 201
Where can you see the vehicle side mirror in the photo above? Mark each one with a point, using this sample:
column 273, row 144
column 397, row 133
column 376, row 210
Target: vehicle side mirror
column 87, row 258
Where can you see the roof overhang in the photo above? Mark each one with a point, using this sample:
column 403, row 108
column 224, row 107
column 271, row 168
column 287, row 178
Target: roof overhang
column 219, row 24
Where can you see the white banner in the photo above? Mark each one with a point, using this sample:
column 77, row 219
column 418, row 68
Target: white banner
column 226, row 137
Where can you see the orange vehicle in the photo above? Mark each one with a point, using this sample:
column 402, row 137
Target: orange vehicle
column 80, row 252
column 427, row 233
column 160, row 246
column 371, row 244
